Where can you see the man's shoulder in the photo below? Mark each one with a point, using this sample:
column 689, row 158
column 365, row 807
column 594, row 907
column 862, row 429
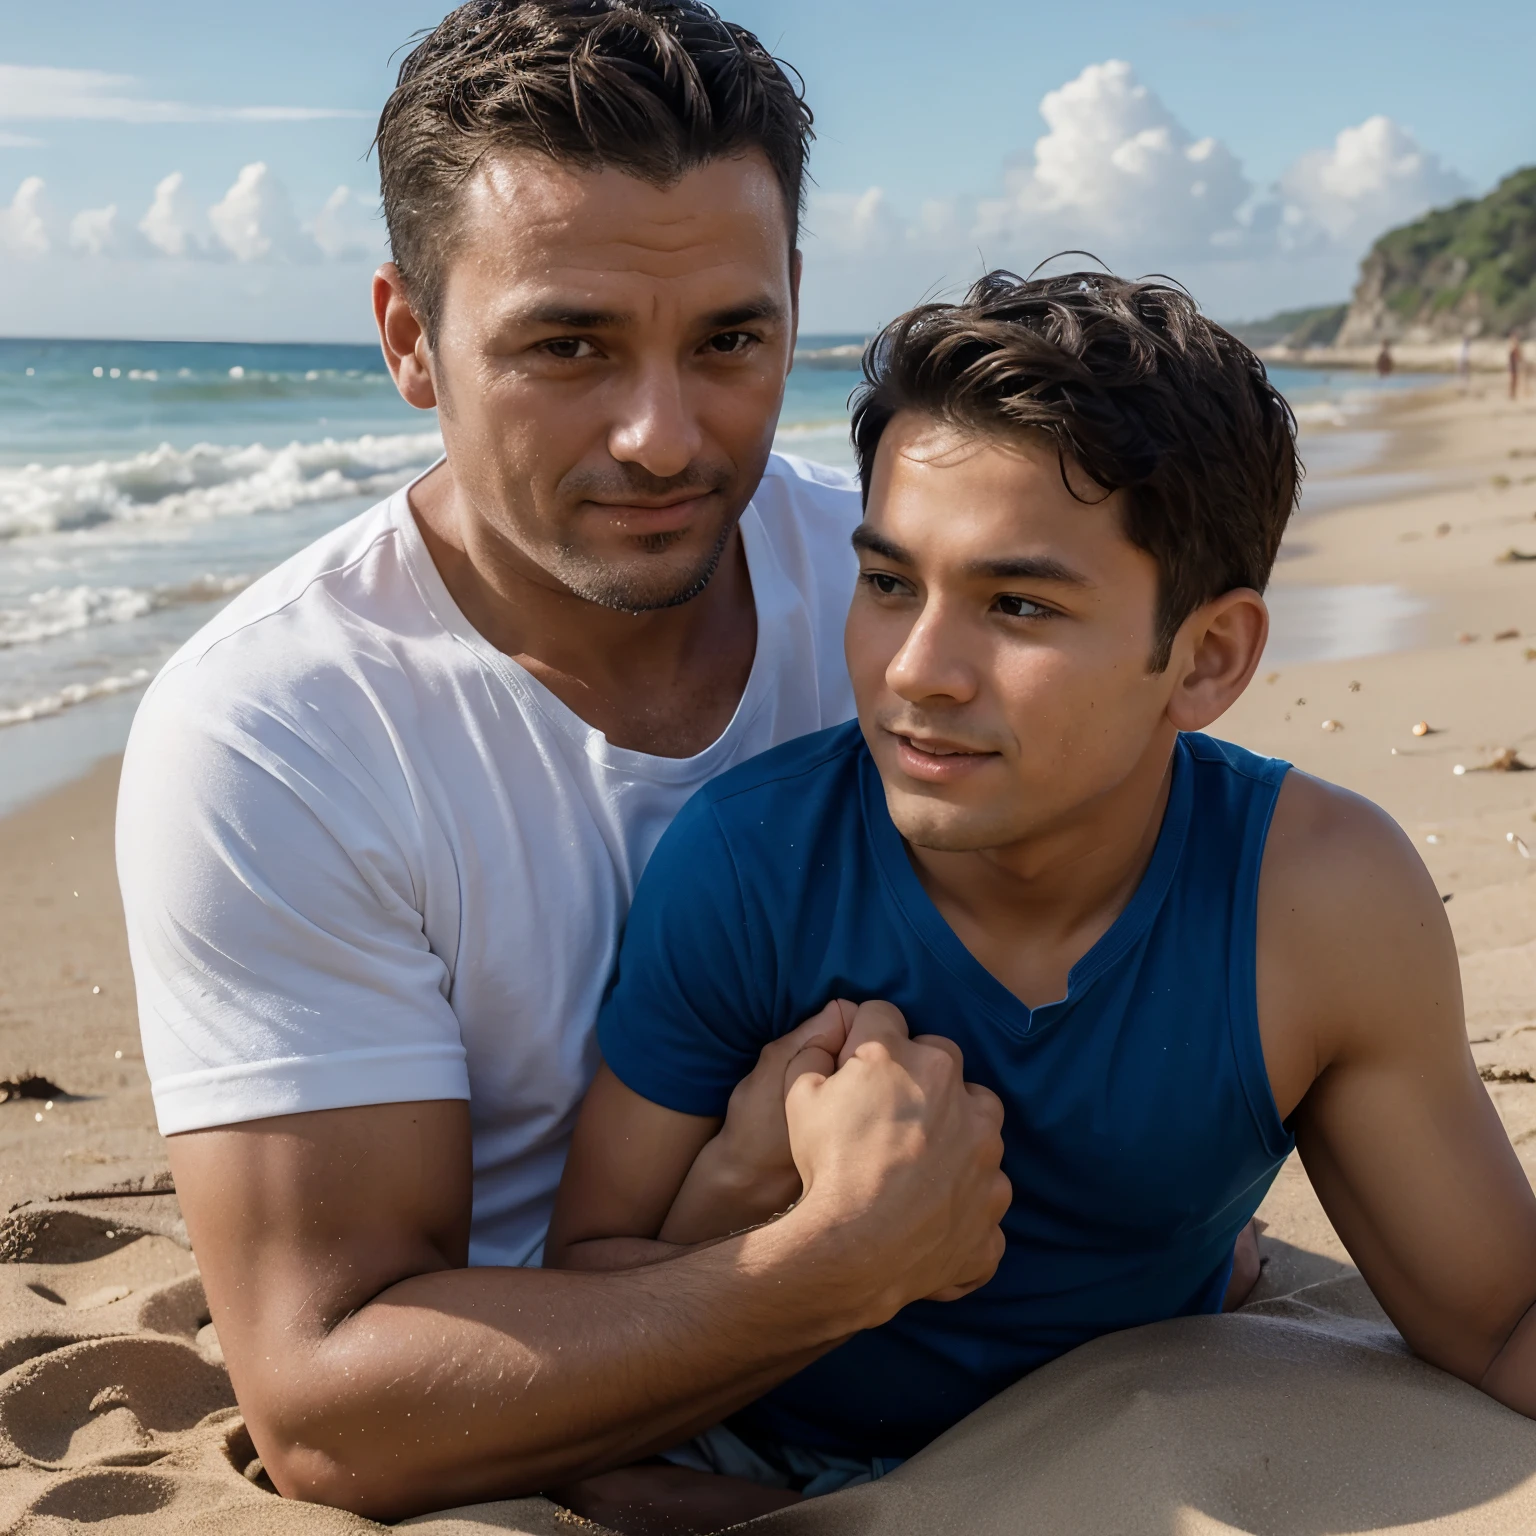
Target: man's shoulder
column 817, row 484
column 815, row 504
column 778, row 805
column 310, row 584
column 1352, row 933
column 1327, row 839
column 801, row 772
column 306, row 623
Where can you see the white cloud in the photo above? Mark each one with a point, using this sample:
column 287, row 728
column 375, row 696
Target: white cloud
column 254, row 219
column 173, row 224
column 1116, row 173
column 1374, row 176
column 33, row 93
column 349, row 225
column 94, row 230
column 854, row 223
column 19, row 141
column 1117, row 167
column 24, row 225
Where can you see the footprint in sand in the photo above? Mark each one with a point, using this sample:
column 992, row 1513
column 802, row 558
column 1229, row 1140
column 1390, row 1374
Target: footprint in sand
column 115, row 1406
column 106, row 1402
column 73, row 1276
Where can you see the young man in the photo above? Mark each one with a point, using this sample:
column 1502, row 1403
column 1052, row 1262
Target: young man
column 382, row 819
column 1170, row 959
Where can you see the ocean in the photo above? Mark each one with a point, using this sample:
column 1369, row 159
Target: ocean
column 144, row 483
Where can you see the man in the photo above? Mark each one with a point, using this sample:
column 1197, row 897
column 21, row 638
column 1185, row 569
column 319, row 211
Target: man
column 381, row 820
column 1172, row 960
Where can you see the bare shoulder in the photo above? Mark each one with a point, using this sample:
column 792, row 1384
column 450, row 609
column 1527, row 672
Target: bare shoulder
column 1355, row 955
column 1329, row 848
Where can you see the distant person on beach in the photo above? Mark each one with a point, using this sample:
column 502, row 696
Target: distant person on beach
column 1464, row 361
column 1516, row 361
column 1384, row 363
column 1173, row 961
column 381, row 820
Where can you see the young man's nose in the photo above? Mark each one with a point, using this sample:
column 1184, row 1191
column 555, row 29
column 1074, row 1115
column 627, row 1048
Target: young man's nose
column 655, row 425
column 933, row 661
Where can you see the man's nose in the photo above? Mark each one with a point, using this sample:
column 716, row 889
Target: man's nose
column 933, row 661
column 655, row 426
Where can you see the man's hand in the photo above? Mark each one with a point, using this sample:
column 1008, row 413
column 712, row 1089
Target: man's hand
column 746, row 1173
column 894, row 1124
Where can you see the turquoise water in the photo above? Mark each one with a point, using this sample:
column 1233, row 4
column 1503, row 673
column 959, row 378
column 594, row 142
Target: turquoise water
column 142, row 483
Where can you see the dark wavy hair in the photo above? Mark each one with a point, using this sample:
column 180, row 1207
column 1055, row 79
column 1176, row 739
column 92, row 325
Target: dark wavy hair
column 1132, row 385
column 651, row 87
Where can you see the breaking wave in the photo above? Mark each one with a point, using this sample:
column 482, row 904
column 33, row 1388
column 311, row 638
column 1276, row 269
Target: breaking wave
column 64, row 610
column 75, row 693
column 207, row 481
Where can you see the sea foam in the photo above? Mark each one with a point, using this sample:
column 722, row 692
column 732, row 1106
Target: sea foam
column 207, row 481
column 74, row 693
column 65, row 610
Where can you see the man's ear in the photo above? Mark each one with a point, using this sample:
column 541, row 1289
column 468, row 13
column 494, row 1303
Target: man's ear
column 796, row 267
column 403, row 339
column 1216, row 653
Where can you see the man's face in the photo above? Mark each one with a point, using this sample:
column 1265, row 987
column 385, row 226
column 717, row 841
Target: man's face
column 609, row 366
column 999, row 639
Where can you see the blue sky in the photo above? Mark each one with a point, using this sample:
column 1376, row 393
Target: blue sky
column 1205, row 142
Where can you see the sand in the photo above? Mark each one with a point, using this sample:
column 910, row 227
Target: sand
column 1304, row 1413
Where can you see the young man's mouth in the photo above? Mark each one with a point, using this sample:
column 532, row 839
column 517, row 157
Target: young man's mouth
column 937, row 760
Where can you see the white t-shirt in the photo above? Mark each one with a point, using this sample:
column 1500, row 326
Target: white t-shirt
column 366, row 858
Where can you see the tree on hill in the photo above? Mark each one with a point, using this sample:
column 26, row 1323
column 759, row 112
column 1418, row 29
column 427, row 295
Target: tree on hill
column 1466, row 270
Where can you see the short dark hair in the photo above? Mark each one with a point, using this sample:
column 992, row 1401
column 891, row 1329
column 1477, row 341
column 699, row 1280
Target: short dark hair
column 651, row 87
column 1130, row 382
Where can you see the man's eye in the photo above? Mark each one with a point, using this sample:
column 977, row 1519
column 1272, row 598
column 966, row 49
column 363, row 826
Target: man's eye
column 884, row 583
column 1021, row 607
column 570, row 348
column 728, row 343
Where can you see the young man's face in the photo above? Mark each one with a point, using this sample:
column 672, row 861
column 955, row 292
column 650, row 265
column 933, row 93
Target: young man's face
column 610, row 363
column 999, row 640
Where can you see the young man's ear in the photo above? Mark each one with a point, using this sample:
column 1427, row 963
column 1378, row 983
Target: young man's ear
column 1216, row 653
column 403, row 339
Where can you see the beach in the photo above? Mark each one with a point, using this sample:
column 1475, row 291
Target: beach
column 1405, row 595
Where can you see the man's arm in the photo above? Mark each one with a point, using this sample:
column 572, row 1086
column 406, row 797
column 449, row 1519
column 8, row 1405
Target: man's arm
column 377, row 1373
column 1361, row 1016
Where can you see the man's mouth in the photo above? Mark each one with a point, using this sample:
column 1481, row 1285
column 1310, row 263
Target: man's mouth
column 937, row 759
column 649, row 517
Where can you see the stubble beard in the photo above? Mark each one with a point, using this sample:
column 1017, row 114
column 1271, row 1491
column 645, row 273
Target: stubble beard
column 634, row 587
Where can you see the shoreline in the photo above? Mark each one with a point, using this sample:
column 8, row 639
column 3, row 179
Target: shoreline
column 1486, row 356
column 55, row 748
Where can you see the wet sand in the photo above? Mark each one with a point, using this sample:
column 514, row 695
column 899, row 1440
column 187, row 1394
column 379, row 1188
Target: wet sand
column 1303, row 1413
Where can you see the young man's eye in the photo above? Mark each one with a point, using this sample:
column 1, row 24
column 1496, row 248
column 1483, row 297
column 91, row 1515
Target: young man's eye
column 570, row 349
column 728, row 343
column 1021, row 607
column 884, row 583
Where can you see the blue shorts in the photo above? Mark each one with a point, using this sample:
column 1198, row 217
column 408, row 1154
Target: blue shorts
column 775, row 1465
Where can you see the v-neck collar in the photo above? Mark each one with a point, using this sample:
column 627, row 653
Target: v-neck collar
column 917, row 906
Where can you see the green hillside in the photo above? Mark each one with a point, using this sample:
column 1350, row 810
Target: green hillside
column 1316, row 327
column 1467, row 268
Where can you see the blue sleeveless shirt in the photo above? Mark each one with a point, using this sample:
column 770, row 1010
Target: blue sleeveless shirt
column 1139, row 1127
